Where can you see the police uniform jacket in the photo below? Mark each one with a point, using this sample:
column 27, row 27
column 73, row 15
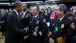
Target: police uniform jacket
column 62, row 31
column 39, row 26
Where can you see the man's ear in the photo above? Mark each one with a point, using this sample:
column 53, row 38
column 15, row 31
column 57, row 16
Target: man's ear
column 62, row 11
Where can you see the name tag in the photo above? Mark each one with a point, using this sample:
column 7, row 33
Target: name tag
column 56, row 29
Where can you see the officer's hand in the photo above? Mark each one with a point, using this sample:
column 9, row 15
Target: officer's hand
column 34, row 33
column 26, row 29
column 50, row 40
column 28, row 15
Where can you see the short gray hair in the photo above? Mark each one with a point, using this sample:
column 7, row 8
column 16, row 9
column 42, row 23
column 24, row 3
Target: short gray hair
column 63, row 7
column 37, row 7
column 17, row 3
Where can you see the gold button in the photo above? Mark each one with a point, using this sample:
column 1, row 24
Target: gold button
column 61, row 31
column 52, row 24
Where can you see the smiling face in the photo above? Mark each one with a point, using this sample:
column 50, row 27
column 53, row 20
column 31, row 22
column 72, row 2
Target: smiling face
column 35, row 10
column 24, row 7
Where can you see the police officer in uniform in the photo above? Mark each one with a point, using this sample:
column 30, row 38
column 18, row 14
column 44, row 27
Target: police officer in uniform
column 37, row 27
column 62, row 28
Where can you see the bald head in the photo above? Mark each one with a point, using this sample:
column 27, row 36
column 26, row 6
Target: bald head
column 52, row 8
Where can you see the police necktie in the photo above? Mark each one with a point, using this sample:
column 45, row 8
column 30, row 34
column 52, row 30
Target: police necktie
column 58, row 19
column 34, row 17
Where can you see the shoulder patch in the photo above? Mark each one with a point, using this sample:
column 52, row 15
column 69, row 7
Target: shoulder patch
column 72, row 25
column 44, row 20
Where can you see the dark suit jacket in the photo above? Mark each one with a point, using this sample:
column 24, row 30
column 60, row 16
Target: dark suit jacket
column 47, row 17
column 5, row 20
column 2, row 18
column 14, row 32
column 5, row 16
column 24, row 20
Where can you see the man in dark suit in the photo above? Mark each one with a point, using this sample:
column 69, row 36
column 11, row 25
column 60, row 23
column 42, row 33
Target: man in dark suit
column 37, row 27
column 5, row 21
column 2, row 21
column 26, row 14
column 14, row 32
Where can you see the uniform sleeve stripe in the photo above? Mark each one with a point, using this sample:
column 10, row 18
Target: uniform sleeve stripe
column 50, row 33
column 60, row 40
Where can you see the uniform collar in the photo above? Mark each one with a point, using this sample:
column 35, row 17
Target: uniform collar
column 61, row 18
column 36, row 16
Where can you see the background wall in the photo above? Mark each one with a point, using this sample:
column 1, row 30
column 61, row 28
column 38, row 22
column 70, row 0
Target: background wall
column 70, row 4
column 45, row 6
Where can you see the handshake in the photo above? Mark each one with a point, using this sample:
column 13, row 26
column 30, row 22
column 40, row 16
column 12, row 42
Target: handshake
column 27, row 29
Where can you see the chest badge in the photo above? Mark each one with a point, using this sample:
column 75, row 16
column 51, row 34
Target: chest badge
column 62, row 25
column 37, row 22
